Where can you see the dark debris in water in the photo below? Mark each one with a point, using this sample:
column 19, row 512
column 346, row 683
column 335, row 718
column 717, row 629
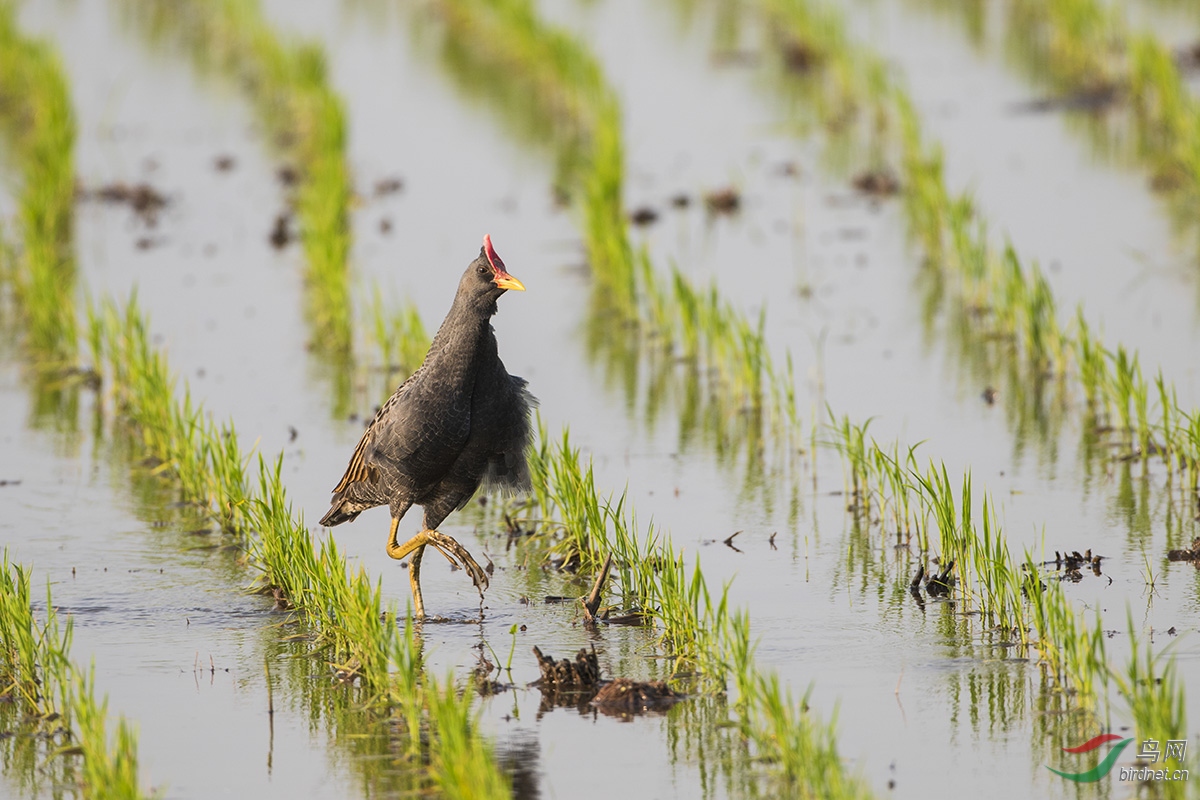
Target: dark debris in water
column 578, row 684
column 736, row 58
column 1071, row 563
column 723, row 201
column 1187, row 58
column 1093, row 99
column 281, row 233
column 626, row 697
column 798, row 56
column 142, row 198
column 644, row 216
column 1191, row 554
column 386, row 186
column 582, row 673
column 880, row 182
column 288, row 175
column 936, row 584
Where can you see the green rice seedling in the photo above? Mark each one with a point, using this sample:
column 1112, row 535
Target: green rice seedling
column 802, row 752
column 401, row 337
column 202, row 458
column 1168, row 403
column 458, row 758
column 1190, row 445
column 109, row 772
column 1092, row 366
column 1123, row 388
column 1150, row 686
column 988, row 577
column 36, row 118
column 851, row 441
column 33, row 656
column 400, row 340
column 1072, row 652
column 36, row 673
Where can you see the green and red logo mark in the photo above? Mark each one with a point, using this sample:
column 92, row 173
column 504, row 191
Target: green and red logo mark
column 1104, row 767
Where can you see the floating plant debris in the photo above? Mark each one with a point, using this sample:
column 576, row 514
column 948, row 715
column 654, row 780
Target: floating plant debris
column 878, row 183
column 144, row 199
column 386, row 186
column 723, row 201
column 1190, row 554
column 644, row 216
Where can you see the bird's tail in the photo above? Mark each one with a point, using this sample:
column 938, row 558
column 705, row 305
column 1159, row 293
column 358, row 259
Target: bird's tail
column 337, row 514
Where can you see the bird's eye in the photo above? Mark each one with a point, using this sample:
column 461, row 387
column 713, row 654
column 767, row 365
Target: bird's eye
column 482, row 270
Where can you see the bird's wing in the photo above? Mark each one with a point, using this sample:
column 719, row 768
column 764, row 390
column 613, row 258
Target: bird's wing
column 415, row 437
column 360, row 468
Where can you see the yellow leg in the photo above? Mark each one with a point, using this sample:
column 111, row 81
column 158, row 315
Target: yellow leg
column 454, row 552
column 398, row 551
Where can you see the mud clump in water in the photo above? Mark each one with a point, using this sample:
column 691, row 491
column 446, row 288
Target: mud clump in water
column 625, row 697
column 1073, row 562
column 288, row 175
column 280, row 235
column 577, row 683
column 937, row 584
column 644, row 216
column 1096, row 98
column 144, row 199
column 582, row 673
column 798, row 57
column 1187, row 58
column 877, row 183
column 386, row 186
column 1191, row 554
column 723, row 201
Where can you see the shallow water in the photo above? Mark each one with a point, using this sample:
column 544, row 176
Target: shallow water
column 917, row 693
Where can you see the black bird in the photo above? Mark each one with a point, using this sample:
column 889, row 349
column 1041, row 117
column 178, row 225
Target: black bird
column 458, row 421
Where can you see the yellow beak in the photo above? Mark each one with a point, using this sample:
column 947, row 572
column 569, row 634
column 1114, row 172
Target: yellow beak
column 507, row 281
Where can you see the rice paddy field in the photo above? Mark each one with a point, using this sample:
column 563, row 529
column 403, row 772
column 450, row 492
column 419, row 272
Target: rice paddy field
column 866, row 336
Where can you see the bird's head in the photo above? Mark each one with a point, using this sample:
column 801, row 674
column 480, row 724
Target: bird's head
column 486, row 279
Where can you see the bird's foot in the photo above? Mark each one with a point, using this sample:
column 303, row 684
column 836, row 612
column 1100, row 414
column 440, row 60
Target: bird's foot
column 457, row 555
column 454, row 552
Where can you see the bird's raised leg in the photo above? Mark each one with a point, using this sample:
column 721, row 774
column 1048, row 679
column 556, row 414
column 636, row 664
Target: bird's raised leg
column 454, row 552
column 416, row 546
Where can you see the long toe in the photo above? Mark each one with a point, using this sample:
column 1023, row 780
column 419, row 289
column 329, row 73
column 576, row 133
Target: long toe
column 457, row 554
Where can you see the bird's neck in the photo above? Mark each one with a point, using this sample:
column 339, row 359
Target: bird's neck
column 460, row 342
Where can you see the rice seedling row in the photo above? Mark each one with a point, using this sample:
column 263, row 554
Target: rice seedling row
column 36, row 117
column 1018, row 306
column 989, row 575
column 204, row 461
column 303, row 117
column 59, row 717
column 58, row 712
